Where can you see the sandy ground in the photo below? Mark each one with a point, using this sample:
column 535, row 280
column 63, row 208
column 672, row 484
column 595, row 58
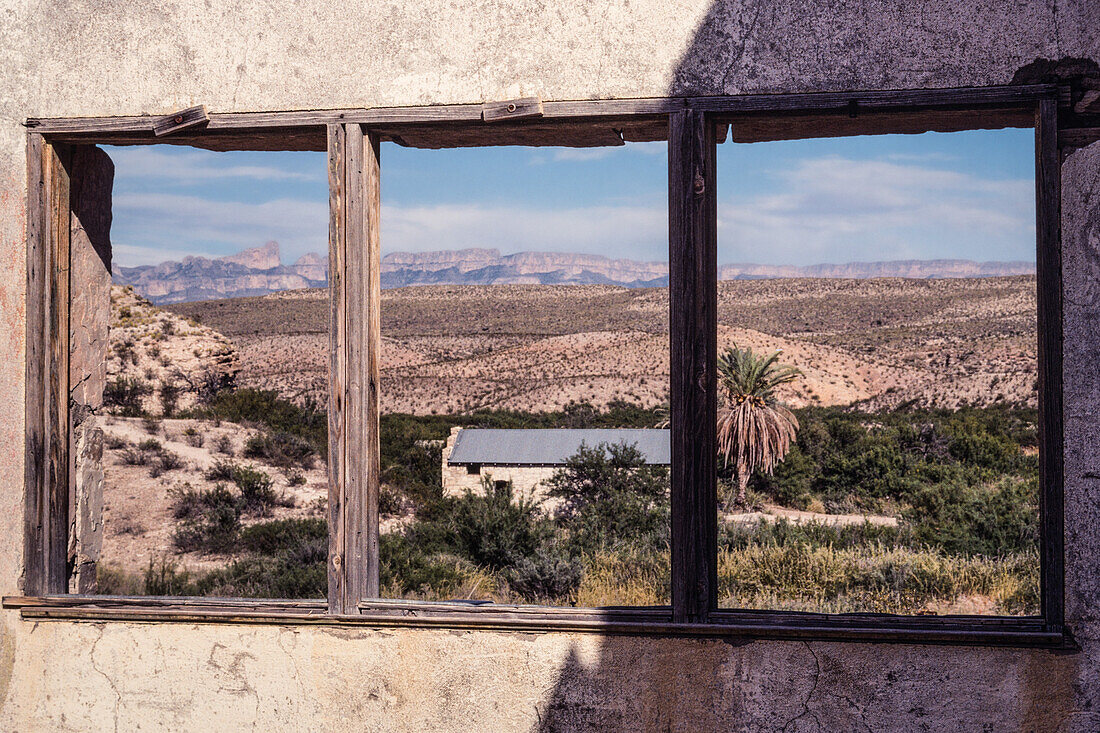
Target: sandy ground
column 137, row 518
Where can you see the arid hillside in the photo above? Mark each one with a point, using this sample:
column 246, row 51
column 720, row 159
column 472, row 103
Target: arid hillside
column 883, row 342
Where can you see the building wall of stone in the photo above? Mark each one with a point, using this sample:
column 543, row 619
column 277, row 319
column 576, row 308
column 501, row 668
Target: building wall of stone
column 112, row 58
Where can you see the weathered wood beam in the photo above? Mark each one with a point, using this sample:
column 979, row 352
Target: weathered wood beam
column 337, row 374
column 1013, row 95
column 693, row 298
column 1048, row 230
column 355, row 341
column 47, row 370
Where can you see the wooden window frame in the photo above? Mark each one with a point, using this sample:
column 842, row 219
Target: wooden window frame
column 692, row 126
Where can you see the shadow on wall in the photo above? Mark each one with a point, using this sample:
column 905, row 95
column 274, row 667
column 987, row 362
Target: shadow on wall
column 636, row 683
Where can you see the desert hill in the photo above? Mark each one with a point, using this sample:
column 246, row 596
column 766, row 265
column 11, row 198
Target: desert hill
column 880, row 342
column 260, row 270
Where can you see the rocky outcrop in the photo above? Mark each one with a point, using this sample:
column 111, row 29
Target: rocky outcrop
column 259, row 271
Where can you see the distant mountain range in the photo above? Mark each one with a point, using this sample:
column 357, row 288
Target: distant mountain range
column 260, row 270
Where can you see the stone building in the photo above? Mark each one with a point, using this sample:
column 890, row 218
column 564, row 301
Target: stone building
column 81, row 73
column 527, row 458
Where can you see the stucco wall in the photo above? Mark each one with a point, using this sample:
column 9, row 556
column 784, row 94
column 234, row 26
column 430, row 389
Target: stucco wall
column 104, row 57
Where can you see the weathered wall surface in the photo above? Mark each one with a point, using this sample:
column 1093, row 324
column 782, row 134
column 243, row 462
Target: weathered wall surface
column 107, row 57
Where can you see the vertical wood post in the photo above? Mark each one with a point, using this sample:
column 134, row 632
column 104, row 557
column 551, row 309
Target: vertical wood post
column 693, row 298
column 355, row 339
column 337, row 245
column 46, row 511
column 1048, row 230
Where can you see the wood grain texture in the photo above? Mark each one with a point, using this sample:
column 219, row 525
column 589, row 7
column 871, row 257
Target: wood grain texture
column 1048, row 230
column 337, row 245
column 693, row 296
column 363, row 342
column 1020, row 95
column 639, row 622
column 35, row 475
column 182, row 120
column 514, row 109
column 57, row 402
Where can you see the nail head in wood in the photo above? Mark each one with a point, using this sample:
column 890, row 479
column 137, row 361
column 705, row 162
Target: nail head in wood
column 515, row 109
column 181, row 120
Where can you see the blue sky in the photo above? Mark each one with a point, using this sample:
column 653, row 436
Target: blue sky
column 960, row 195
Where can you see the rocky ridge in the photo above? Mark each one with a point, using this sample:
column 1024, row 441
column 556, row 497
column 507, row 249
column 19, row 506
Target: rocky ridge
column 259, row 271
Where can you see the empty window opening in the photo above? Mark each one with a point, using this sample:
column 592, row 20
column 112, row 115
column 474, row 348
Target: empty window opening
column 525, row 362
column 878, row 383
column 200, row 360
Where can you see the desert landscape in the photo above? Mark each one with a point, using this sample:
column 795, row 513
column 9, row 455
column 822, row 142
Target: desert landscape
column 915, row 400
column 459, row 348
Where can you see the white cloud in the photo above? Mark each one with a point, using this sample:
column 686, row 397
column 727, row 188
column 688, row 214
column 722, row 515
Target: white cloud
column 191, row 166
column 842, row 210
column 160, row 222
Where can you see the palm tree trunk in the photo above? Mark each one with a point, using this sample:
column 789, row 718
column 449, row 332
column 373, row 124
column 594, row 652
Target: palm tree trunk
column 742, row 485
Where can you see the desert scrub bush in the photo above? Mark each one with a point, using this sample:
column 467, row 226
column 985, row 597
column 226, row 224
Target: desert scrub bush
column 224, row 444
column 548, row 575
column 163, row 462
column 208, row 520
column 115, row 442
column 977, row 520
column 408, row 570
column 169, row 398
column 294, row 477
column 150, row 445
column 282, row 450
column 123, row 395
column 151, row 425
column 610, row 497
column 257, row 488
column 284, row 535
column 308, row 421
column 193, row 437
column 113, row 580
column 496, row 528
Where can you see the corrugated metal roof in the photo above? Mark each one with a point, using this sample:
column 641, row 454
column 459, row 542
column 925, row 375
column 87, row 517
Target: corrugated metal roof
column 552, row 447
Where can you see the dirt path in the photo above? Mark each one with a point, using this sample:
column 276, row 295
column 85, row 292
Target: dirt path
column 773, row 513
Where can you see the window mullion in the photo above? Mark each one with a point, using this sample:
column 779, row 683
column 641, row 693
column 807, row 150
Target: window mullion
column 693, row 285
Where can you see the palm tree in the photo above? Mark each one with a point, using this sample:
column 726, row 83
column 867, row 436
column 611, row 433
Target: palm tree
column 754, row 429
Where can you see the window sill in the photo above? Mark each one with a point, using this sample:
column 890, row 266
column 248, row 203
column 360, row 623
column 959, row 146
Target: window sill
column 1024, row 632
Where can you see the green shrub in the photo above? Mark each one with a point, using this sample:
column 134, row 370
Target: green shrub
column 611, row 497
column 280, row 449
column 977, row 520
column 207, row 520
column 257, row 490
column 496, row 528
column 283, row 535
column 151, row 445
column 547, row 575
column 169, row 398
column 124, row 395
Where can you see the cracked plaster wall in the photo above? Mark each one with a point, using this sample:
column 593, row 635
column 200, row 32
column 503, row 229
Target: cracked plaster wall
column 107, row 57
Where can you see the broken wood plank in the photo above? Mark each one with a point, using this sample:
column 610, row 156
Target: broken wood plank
column 181, row 120
column 516, row 109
